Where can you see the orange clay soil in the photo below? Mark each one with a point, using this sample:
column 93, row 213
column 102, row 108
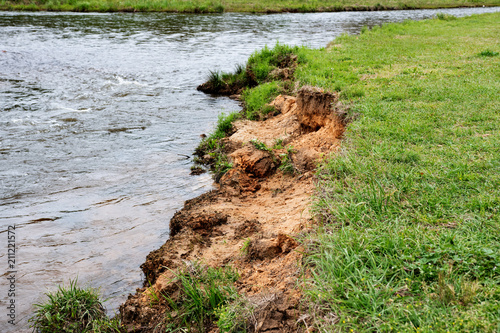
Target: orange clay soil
column 254, row 203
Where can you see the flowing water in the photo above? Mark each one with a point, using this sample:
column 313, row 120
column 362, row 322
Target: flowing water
column 99, row 115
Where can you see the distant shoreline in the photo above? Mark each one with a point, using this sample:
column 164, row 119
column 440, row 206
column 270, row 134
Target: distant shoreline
column 258, row 6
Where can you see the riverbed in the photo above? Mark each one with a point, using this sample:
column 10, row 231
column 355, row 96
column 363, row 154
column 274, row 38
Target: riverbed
column 99, row 116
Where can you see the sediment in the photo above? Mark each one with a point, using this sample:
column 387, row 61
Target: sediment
column 254, row 205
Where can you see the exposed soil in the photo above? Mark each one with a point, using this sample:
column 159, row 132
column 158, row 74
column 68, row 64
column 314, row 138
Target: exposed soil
column 256, row 205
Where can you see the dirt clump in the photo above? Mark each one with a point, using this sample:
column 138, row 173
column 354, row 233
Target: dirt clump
column 202, row 223
column 250, row 221
column 236, row 181
column 253, row 161
column 269, row 248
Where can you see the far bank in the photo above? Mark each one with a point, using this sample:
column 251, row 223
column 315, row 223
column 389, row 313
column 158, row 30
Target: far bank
column 217, row 6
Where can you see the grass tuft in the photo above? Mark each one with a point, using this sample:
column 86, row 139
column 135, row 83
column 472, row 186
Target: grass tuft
column 73, row 309
column 488, row 53
column 204, row 294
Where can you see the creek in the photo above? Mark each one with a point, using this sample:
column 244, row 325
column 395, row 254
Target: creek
column 99, row 116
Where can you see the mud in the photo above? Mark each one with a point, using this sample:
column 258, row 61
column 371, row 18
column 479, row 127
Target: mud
column 252, row 220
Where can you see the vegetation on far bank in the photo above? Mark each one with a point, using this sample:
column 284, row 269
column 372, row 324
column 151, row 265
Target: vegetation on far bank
column 219, row 6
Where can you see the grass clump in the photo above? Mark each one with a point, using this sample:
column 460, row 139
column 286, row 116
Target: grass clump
column 211, row 150
column 488, row 53
column 233, row 317
column 260, row 81
column 410, row 209
column 260, row 145
column 206, row 295
column 286, row 165
column 262, row 62
column 73, row 309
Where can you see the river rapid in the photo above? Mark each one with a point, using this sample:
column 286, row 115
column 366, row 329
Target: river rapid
column 99, row 116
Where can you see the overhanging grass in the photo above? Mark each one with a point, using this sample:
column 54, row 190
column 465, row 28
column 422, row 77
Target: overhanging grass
column 216, row 6
column 410, row 209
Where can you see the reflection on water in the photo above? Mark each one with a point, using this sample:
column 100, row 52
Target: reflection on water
column 97, row 113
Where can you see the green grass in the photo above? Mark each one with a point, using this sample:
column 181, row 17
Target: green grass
column 286, row 164
column 73, row 309
column 206, row 295
column 213, row 146
column 218, row 6
column 256, row 99
column 410, row 208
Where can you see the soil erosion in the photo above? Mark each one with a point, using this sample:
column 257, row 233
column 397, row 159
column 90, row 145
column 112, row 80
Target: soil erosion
column 252, row 219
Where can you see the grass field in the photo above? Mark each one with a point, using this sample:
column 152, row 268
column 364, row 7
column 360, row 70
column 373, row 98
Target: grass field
column 219, row 6
column 410, row 209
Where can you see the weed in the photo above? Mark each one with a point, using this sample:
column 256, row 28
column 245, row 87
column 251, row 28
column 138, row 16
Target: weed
column 215, row 79
column 286, row 165
column 222, row 165
column 246, row 246
column 278, row 143
column 260, row 145
column 239, row 69
column 488, row 53
column 213, row 147
column 233, row 317
column 153, row 296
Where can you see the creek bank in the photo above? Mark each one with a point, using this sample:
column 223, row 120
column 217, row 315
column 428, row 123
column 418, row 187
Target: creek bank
column 251, row 221
column 202, row 7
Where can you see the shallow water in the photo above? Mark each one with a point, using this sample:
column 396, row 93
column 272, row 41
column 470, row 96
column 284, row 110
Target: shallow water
column 99, row 115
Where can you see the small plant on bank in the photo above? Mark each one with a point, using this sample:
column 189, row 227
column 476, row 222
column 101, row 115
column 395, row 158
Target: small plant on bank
column 213, row 148
column 286, row 165
column 72, row 309
column 233, row 317
column 260, row 145
column 222, row 165
column 246, row 246
column 278, row 144
column 204, row 291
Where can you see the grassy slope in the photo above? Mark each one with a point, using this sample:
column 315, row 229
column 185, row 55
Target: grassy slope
column 410, row 239
column 210, row 6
